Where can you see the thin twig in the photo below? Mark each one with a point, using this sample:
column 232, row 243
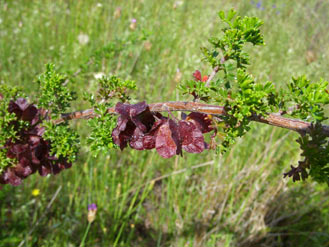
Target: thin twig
column 215, row 70
column 272, row 119
column 212, row 75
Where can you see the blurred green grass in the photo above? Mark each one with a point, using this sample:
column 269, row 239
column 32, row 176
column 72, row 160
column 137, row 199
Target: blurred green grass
column 239, row 199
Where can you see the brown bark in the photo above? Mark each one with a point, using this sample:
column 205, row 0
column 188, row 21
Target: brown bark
column 272, row 119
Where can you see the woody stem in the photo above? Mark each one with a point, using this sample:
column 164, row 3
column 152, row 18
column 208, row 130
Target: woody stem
column 272, row 118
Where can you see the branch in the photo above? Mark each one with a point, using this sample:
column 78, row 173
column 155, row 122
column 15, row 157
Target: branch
column 272, row 119
column 215, row 70
column 212, row 75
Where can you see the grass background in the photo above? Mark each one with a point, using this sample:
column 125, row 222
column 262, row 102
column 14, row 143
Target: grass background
column 239, row 199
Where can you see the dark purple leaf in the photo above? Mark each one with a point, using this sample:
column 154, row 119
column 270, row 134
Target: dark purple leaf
column 174, row 127
column 128, row 111
column 11, row 178
column 164, row 142
column 191, row 137
column 45, row 169
column 197, row 75
column 17, row 149
column 30, row 149
column 149, row 138
column 136, row 141
column 201, row 121
column 30, row 113
column 294, row 173
column 14, row 108
column 149, row 142
column 23, row 169
column 121, row 136
column 22, row 103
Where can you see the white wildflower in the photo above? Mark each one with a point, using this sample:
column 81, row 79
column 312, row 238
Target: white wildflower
column 99, row 75
column 177, row 4
column 83, row 39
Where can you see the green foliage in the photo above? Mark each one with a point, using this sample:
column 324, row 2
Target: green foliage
column 55, row 96
column 242, row 102
column 226, row 53
column 198, row 90
column 101, row 127
column 241, row 96
column 230, row 45
column 7, row 94
column 309, row 98
column 315, row 148
column 4, row 160
column 64, row 141
column 7, row 131
column 114, row 87
column 244, row 99
column 248, row 178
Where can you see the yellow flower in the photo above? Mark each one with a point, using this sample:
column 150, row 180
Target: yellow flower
column 35, row 192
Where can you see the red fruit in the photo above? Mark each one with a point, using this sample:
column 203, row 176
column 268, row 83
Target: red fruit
column 205, row 78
